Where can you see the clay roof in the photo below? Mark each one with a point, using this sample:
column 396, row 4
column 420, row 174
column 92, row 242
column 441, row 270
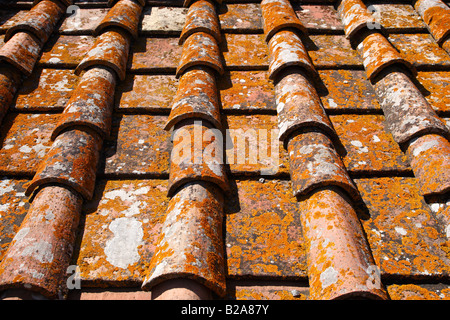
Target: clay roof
column 228, row 149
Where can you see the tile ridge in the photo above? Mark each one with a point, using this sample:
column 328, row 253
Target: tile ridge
column 124, row 14
column 191, row 242
column 300, row 110
column 407, row 112
column 356, row 19
column 201, row 17
column 278, row 15
column 23, row 44
column 339, row 258
column 436, row 14
column 64, row 179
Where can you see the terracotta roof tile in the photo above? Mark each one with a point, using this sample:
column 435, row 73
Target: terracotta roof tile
column 163, row 20
column 270, row 224
column 83, row 21
column 354, row 93
column 146, row 92
column 357, row 124
column 71, row 161
column 15, row 207
column 201, row 17
column 398, row 17
column 40, row 21
column 250, row 46
column 433, row 82
column 429, row 156
column 139, row 145
column 287, row 50
column 65, row 51
column 373, row 151
column 124, row 15
column 255, row 86
column 264, row 156
column 22, row 51
column 355, row 17
column 155, row 54
column 314, row 163
column 378, row 54
column 241, row 17
column 405, row 238
column 318, row 18
column 91, row 103
column 191, row 244
column 39, row 93
column 278, row 15
column 200, row 49
column 436, row 15
column 425, row 52
column 196, row 159
column 9, row 83
column 332, row 52
column 407, row 112
column 26, row 140
column 340, row 263
column 106, row 253
column 110, row 50
column 299, row 106
column 48, row 250
column 196, row 97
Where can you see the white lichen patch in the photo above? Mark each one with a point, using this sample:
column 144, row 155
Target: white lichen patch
column 122, row 249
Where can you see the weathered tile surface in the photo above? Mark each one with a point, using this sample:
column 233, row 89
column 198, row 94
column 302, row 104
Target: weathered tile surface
column 25, row 141
column 120, row 229
column 46, row 90
column 138, row 145
column 65, row 50
column 263, row 234
column 149, row 54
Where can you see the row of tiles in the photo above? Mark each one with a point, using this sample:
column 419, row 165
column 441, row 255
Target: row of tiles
column 243, row 17
column 326, row 51
column 26, row 140
column 240, row 92
column 122, row 223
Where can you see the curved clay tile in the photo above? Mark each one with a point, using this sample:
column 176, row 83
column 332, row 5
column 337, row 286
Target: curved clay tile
column 110, row 50
column 9, row 84
column 197, row 155
column 436, row 15
column 41, row 250
column 72, row 161
column 429, row 156
column 340, row 264
column 299, row 106
column 91, row 104
column 378, row 53
column 40, row 20
column 407, row 112
column 355, row 17
column 196, row 97
column 22, row 51
column 125, row 14
column 314, row 163
column 191, row 242
column 200, row 49
column 287, row 50
column 278, row 15
column 188, row 3
column 201, row 17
